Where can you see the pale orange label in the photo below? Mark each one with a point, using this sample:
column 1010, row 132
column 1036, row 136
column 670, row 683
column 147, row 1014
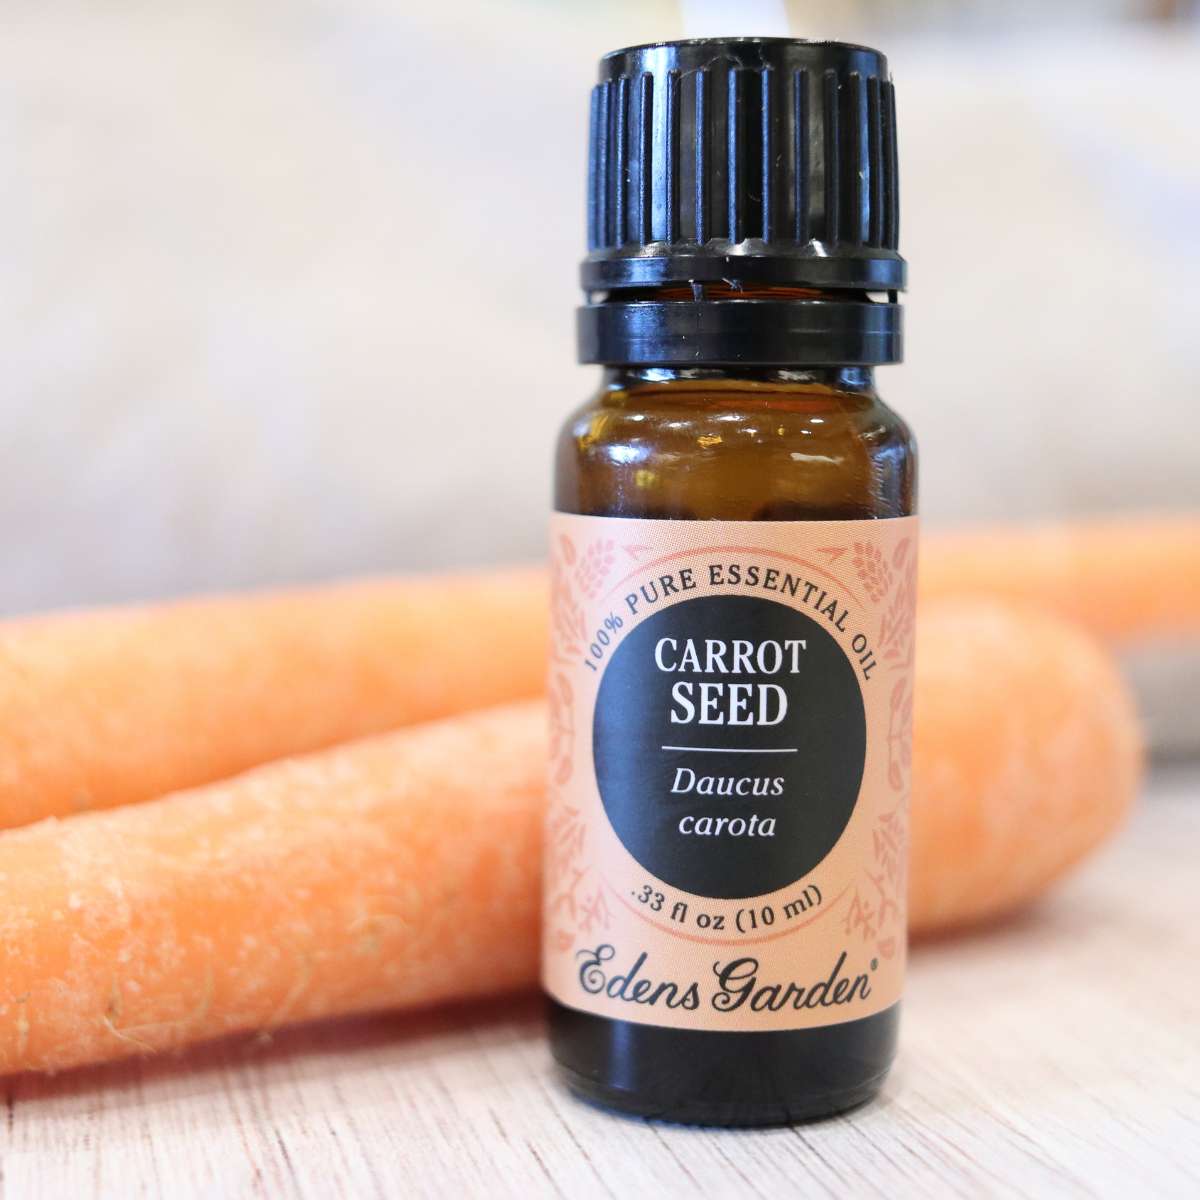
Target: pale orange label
column 731, row 716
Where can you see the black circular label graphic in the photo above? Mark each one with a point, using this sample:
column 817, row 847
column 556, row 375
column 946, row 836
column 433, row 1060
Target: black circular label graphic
column 729, row 742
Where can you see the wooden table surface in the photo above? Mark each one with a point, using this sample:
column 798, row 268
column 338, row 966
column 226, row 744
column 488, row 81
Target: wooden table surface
column 1057, row 1055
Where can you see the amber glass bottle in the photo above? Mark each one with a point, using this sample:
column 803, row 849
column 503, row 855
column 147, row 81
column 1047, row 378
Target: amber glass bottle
column 733, row 557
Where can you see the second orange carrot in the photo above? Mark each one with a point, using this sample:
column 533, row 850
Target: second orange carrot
column 112, row 707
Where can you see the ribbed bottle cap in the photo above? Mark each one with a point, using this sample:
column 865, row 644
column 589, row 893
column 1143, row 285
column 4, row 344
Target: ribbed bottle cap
column 750, row 163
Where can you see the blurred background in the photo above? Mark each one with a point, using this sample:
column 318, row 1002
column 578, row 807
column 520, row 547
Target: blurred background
column 247, row 243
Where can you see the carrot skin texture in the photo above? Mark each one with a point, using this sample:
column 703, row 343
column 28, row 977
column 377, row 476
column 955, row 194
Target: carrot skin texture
column 118, row 706
column 1026, row 755
column 404, row 869
column 397, row 871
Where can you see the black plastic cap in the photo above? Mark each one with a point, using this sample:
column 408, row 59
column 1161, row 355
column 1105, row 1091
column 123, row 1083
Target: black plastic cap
column 744, row 162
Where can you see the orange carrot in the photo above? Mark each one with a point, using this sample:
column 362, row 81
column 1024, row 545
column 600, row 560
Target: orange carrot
column 404, row 869
column 400, row 870
column 106, row 708
column 1026, row 755
column 1128, row 579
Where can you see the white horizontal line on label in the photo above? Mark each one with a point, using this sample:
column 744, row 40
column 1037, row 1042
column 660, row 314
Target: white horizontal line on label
column 732, row 750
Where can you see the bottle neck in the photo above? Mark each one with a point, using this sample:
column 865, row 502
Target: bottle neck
column 841, row 379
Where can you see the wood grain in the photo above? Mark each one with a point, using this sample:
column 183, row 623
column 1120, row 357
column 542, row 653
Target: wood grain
column 1057, row 1055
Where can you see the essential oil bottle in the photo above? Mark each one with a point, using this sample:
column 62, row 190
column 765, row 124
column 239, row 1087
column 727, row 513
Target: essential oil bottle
column 733, row 552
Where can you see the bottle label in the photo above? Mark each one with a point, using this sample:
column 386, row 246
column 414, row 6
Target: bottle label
column 731, row 715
